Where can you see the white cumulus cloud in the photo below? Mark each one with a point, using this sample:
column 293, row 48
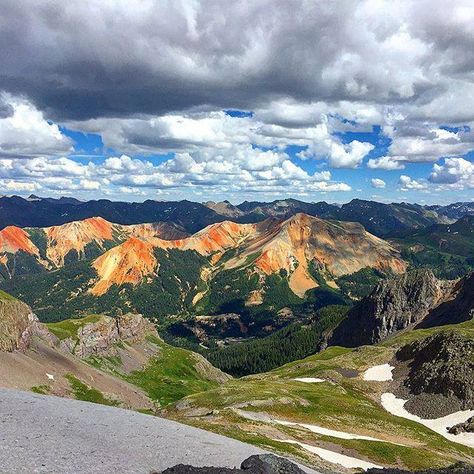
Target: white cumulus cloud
column 378, row 183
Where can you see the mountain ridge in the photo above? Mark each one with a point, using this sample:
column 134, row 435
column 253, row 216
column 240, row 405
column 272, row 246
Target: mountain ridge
column 386, row 219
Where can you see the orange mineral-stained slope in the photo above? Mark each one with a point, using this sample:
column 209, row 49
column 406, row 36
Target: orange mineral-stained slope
column 14, row 239
column 300, row 245
column 76, row 236
column 129, row 262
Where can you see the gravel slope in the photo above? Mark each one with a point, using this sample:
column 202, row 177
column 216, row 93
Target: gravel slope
column 44, row 434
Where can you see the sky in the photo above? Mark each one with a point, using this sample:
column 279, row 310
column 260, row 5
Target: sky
column 248, row 100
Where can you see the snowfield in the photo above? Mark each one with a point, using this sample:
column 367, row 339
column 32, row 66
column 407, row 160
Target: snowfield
column 333, row 457
column 309, row 380
column 396, row 406
column 379, row 373
column 334, row 433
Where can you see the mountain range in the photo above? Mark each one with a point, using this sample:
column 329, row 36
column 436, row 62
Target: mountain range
column 95, row 266
column 378, row 218
column 257, row 276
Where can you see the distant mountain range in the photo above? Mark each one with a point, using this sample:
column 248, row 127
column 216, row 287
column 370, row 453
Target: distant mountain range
column 259, row 266
column 380, row 219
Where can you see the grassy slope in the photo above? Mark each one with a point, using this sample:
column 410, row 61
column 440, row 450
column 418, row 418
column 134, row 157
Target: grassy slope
column 171, row 374
column 6, row 296
column 347, row 404
column 86, row 393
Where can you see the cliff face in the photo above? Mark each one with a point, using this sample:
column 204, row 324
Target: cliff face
column 394, row 304
column 92, row 335
column 17, row 324
column 101, row 336
column 458, row 304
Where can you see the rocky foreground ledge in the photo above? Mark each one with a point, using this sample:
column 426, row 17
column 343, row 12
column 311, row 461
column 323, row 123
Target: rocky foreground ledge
column 256, row 464
column 271, row 464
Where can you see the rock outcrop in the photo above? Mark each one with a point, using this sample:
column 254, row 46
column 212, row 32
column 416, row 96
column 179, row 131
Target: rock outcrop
column 393, row 305
column 256, row 464
column 459, row 468
column 100, row 337
column 441, row 365
column 466, row 427
column 18, row 324
column 457, row 306
column 414, row 299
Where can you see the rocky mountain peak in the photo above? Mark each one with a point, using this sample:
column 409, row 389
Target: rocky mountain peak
column 393, row 305
column 76, row 236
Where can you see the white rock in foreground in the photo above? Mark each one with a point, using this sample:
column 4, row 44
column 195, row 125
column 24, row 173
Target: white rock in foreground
column 333, row 457
column 379, row 373
column 396, row 406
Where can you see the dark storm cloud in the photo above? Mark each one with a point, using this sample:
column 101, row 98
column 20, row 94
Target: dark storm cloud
column 6, row 110
column 79, row 60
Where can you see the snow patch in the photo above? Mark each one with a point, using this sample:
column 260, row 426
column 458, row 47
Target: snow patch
column 333, row 457
column 379, row 373
column 333, row 433
column 309, row 380
column 396, row 406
